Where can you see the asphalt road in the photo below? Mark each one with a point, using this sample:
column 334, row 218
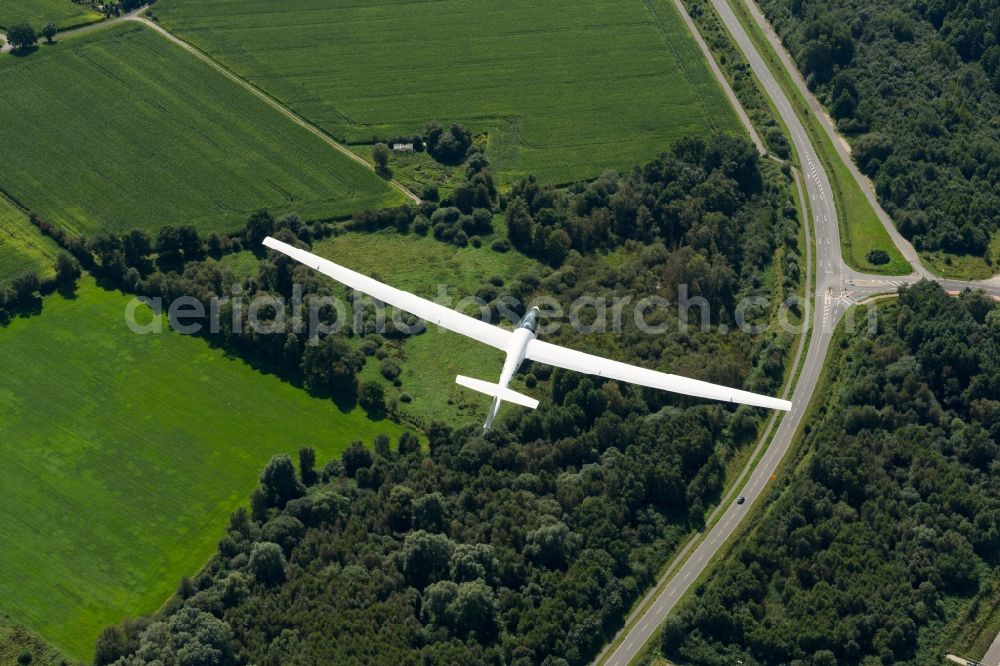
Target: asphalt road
column 837, row 288
column 839, row 144
column 992, row 657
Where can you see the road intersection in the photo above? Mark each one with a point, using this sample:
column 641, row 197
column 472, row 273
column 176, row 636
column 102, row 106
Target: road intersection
column 837, row 288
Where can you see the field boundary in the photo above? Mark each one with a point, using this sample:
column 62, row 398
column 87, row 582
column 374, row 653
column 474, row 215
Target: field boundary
column 270, row 101
column 135, row 16
column 67, row 28
column 723, row 82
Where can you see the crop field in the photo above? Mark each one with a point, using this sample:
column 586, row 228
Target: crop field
column 120, row 128
column 22, row 246
column 431, row 360
column 565, row 88
column 36, row 13
column 124, row 455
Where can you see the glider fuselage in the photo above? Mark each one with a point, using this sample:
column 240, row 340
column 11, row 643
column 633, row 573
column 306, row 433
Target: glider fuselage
column 523, row 334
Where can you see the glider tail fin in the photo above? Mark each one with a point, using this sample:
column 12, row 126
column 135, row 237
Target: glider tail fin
column 499, row 393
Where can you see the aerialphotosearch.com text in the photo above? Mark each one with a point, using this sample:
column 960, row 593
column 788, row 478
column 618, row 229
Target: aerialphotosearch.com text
column 316, row 316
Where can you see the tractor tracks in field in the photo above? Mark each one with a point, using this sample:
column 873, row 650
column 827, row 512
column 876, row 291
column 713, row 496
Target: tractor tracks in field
column 136, row 16
column 267, row 99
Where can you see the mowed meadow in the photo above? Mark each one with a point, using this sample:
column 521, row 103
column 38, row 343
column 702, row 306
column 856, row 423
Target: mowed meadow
column 120, row 128
column 431, row 360
column 36, row 13
column 22, row 246
column 565, row 88
column 124, row 456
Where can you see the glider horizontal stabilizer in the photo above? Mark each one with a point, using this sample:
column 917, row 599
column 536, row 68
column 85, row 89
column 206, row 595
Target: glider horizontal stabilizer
column 496, row 391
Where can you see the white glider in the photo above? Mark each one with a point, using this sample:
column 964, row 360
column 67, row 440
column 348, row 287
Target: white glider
column 520, row 344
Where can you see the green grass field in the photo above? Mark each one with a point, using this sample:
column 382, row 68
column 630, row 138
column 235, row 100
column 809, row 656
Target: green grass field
column 22, row 245
column 36, row 13
column 431, row 360
column 119, row 128
column 124, row 455
column 420, row 263
column 965, row 266
column 566, row 89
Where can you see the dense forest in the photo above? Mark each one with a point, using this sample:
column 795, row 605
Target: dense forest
column 528, row 545
column 914, row 86
column 886, row 533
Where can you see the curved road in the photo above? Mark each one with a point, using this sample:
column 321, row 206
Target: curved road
column 837, row 288
column 905, row 247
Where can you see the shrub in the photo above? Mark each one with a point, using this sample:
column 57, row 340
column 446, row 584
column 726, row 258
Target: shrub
column 372, row 397
column 878, row 257
column 501, row 245
column 421, row 225
column 21, row 36
column 448, row 145
column 381, row 154
column 389, row 369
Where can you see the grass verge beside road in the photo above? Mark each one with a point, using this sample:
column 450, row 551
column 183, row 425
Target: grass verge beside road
column 860, row 229
column 966, row 267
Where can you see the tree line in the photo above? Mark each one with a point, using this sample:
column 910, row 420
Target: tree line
column 915, row 87
column 884, row 535
column 527, row 545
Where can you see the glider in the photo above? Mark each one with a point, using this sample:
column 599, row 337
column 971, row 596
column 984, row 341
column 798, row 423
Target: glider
column 520, row 344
